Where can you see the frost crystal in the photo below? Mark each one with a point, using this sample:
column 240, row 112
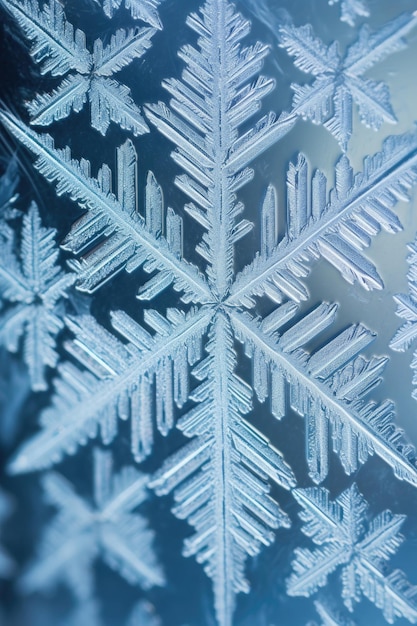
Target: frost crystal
column 407, row 309
column 186, row 359
column 109, row 529
column 31, row 286
column 361, row 548
column 145, row 10
column 61, row 51
column 339, row 81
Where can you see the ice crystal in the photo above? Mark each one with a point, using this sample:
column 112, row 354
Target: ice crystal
column 61, row 51
column 108, row 528
column 407, row 310
column 145, row 10
column 330, row 617
column 145, row 369
column 32, row 284
column 360, row 548
column 339, row 80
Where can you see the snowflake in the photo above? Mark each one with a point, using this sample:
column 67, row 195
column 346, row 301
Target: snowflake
column 110, row 529
column 31, row 286
column 340, row 80
column 60, row 50
column 360, row 548
column 144, row 370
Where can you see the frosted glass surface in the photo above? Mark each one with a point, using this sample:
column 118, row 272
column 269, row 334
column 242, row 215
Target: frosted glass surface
column 208, row 320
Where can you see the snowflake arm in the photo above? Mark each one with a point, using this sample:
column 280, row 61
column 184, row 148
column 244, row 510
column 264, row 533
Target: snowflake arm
column 114, row 380
column 214, row 94
column 145, row 10
column 110, row 528
column 330, row 617
column 33, row 285
column 129, row 243
column 336, row 228
column 70, row 95
column 360, row 549
column 220, row 478
column 327, row 389
column 56, row 46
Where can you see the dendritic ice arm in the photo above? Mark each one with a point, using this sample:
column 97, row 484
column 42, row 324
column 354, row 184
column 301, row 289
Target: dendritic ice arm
column 330, row 616
column 209, row 104
column 7, row 566
column 31, row 286
column 359, row 548
column 220, row 479
column 326, row 388
column 145, row 10
column 407, row 310
column 59, row 49
column 339, row 82
column 336, row 226
column 130, row 241
column 109, row 528
column 350, row 10
column 117, row 379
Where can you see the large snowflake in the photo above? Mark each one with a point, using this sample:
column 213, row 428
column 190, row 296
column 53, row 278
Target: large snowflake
column 141, row 371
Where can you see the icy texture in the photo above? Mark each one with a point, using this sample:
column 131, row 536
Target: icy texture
column 407, row 310
column 359, row 547
column 350, row 10
column 108, row 528
column 32, row 284
column 61, row 51
column 145, row 10
column 339, row 81
column 329, row 617
column 165, row 361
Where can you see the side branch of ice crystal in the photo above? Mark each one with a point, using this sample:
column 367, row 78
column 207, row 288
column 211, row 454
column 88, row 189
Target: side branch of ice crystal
column 32, row 286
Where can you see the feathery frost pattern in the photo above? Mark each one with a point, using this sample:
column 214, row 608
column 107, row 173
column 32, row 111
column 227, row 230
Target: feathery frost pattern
column 360, row 548
column 407, row 310
column 115, row 380
column 108, row 528
column 61, row 51
column 330, row 617
column 339, row 81
column 144, row 10
column 165, row 362
column 32, row 286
